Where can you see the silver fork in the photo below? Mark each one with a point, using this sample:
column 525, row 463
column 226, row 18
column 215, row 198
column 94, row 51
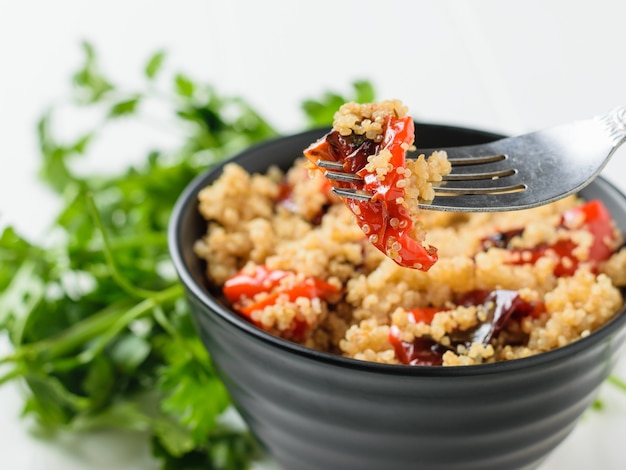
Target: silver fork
column 518, row 172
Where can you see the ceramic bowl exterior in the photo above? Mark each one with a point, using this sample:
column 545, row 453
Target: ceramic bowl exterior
column 316, row 411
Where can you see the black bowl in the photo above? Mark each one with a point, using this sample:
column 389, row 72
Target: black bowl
column 317, row 411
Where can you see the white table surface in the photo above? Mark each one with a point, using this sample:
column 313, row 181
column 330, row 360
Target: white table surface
column 501, row 66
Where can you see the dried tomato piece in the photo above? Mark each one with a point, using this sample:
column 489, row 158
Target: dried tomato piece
column 501, row 305
column 419, row 352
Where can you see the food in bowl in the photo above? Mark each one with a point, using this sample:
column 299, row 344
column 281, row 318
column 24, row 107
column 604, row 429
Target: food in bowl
column 287, row 255
column 306, row 406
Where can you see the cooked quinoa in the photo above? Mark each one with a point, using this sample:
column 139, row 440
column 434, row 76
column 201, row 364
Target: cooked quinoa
column 297, row 261
column 367, row 119
column 290, row 223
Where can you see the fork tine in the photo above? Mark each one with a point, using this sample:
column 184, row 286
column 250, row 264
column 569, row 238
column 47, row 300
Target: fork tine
column 357, row 194
column 443, row 191
column 468, row 191
column 487, row 175
column 454, row 161
column 343, row 177
column 441, row 204
column 330, row 165
column 455, row 158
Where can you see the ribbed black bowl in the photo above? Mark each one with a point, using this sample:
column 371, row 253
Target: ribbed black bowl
column 317, row 411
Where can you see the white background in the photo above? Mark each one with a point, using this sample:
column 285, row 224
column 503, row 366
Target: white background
column 502, row 66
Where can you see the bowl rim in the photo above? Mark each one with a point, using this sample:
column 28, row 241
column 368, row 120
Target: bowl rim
column 200, row 293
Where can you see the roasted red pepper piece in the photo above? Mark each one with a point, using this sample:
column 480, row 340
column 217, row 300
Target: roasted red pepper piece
column 424, row 314
column 388, row 225
column 310, row 288
column 241, row 288
column 419, row 352
column 595, row 218
column 246, row 284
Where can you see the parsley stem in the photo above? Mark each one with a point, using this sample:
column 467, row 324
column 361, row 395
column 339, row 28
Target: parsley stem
column 123, row 320
column 108, row 253
column 103, row 325
column 109, row 325
column 67, row 341
column 14, row 374
column 154, row 238
column 617, row 382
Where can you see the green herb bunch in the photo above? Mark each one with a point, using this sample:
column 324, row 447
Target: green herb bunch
column 101, row 334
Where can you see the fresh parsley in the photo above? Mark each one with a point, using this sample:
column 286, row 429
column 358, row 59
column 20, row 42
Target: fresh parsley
column 101, row 333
